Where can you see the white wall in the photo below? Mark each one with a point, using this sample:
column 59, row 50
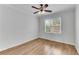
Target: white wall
column 16, row 27
column 77, row 28
column 67, row 27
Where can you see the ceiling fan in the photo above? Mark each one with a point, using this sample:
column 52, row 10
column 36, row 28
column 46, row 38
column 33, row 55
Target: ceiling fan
column 42, row 8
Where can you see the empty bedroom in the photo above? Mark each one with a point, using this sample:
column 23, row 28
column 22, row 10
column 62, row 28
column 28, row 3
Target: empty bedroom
column 39, row 29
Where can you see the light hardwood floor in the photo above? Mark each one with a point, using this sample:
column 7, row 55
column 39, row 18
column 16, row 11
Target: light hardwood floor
column 41, row 47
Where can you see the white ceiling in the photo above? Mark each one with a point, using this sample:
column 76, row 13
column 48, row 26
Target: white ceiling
column 54, row 7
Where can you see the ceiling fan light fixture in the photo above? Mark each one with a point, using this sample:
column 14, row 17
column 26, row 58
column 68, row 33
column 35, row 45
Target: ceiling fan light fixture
column 43, row 12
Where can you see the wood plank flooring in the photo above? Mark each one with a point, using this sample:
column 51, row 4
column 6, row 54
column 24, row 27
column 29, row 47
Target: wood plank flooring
column 41, row 47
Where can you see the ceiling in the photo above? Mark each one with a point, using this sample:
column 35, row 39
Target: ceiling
column 54, row 7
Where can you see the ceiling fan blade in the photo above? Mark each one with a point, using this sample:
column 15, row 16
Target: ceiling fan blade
column 35, row 7
column 35, row 12
column 46, row 5
column 48, row 10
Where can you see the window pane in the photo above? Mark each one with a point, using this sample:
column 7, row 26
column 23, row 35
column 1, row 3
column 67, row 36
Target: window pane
column 47, row 25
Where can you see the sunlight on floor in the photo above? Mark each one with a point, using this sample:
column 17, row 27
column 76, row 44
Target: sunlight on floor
column 52, row 51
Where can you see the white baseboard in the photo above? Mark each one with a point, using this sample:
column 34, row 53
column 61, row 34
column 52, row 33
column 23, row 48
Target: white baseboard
column 58, row 41
column 77, row 48
column 34, row 39
column 18, row 44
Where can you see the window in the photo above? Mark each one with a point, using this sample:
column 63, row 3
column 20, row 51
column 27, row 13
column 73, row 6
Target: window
column 53, row 25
